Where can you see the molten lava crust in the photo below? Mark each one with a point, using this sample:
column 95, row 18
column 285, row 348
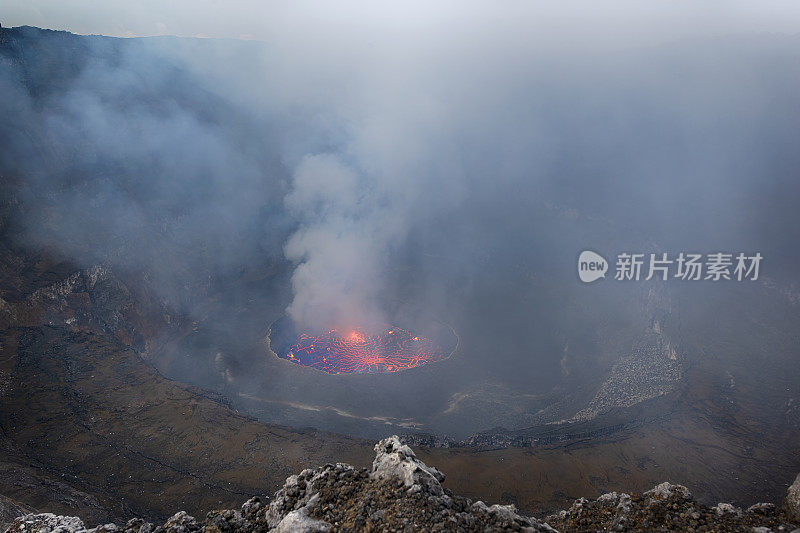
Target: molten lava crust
column 359, row 352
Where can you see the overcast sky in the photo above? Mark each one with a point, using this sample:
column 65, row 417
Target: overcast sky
column 253, row 19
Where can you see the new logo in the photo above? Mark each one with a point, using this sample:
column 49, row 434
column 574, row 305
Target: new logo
column 591, row 266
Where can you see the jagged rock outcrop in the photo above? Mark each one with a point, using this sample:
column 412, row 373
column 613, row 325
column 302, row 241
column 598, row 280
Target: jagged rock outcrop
column 668, row 507
column 400, row 493
column 396, row 460
column 48, row 522
column 791, row 505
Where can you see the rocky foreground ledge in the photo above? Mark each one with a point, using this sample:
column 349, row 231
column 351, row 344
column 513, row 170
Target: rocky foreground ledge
column 401, row 493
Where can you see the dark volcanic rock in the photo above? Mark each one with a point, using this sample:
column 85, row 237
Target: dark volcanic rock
column 9, row 510
column 401, row 493
column 791, row 505
column 667, row 507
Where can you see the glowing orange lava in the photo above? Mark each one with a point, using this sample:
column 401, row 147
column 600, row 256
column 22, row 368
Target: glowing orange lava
column 356, row 351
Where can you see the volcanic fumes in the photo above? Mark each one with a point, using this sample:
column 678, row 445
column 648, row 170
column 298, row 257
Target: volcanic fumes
column 356, row 351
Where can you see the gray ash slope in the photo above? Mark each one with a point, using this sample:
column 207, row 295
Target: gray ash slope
column 401, row 493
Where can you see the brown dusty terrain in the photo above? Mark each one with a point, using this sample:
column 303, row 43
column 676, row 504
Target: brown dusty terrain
column 91, row 414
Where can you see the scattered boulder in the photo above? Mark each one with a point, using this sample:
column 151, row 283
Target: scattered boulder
column 722, row 509
column 47, row 523
column 667, row 507
column 791, row 504
column 666, row 490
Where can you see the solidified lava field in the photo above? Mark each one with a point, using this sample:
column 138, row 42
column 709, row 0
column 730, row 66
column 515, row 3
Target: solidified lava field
column 356, row 351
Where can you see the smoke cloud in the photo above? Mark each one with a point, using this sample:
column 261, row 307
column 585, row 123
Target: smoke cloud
column 452, row 159
column 338, row 247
